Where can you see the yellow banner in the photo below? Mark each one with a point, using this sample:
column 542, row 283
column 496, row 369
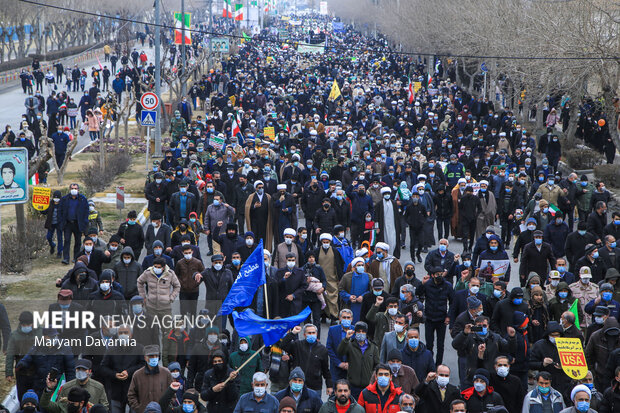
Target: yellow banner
column 417, row 86
column 41, row 197
column 270, row 132
column 572, row 358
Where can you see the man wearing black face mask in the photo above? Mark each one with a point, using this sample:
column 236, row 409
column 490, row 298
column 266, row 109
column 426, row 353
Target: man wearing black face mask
column 30, row 402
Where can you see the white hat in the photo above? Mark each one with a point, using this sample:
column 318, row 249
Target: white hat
column 386, row 190
column 502, row 134
column 422, row 176
column 383, row 246
column 578, row 388
column 356, row 261
column 281, row 186
column 418, row 186
column 325, row 236
column 257, row 183
column 361, row 252
column 266, row 252
column 312, row 132
column 483, row 182
column 290, row 231
column 462, row 181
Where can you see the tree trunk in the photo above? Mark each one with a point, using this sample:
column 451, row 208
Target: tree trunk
column 572, row 126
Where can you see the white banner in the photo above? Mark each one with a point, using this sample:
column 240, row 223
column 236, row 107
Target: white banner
column 499, row 268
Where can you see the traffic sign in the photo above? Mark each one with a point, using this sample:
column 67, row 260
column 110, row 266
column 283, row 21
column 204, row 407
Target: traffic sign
column 120, row 197
column 148, row 117
column 483, row 67
column 149, row 101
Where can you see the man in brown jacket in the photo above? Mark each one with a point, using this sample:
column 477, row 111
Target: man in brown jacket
column 385, row 266
column 148, row 383
column 185, row 269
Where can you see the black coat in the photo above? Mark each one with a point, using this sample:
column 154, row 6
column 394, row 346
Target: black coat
column 430, row 397
column 312, row 359
column 117, row 360
column 596, row 224
column 96, row 260
column 504, row 312
column 575, row 247
column 415, row 215
column 223, row 401
column 536, row 261
column 133, row 236
column 380, row 218
column 154, row 191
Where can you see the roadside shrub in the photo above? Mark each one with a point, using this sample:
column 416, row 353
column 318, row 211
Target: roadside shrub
column 96, row 180
column 16, row 254
column 610, row 174
column 582, row 158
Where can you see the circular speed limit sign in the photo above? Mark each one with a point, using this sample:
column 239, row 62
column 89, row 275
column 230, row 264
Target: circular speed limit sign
column 149, row 101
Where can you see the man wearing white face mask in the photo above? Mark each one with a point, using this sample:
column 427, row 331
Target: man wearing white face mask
column 288, row 246
column 507, row 385
column 73, row 220
column 394, row 340
column 437, row 392
column 353, row 286
column 292, row 284
column 258, row 399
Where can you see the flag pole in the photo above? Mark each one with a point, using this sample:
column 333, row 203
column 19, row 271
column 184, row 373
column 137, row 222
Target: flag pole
column 245, row 363
column 266, row 300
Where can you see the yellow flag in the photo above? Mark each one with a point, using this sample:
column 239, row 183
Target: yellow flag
column 572, row 359
column 335, row 93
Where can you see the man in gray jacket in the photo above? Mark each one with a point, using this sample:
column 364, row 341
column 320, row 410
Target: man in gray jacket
column 218, row 213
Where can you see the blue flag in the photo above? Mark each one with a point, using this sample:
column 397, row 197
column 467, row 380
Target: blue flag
column 251, row 276
column 345, row 250
column 247, row 323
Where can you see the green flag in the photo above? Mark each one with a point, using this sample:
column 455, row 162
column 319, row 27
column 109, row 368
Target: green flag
column 573, row 309
column 58, row 386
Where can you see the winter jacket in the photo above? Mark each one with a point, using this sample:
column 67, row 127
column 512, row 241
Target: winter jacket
column 420, row 360
column 162, row 290
column 600, row 346
column 558, row 306
column 117, row 360
column 19, row 345
column 81, row 212
column 361, row 365
column 503, row 314
column 245, row 375
column 510, row 389
column 330, row 406
column 476, row 403
column 127, row 274
column 147, row 385
column 224, row 400
column 163, row 234
column 533, row 401
column 96, row 390
column 435, row 259
column 170, row 348
column 201, row 360
column 185, row 270
column 325, row 220
column 556, row 236
column 495, row 346
column 133, row 236
column 40, row 360
column 437, row 297
column 534, row 260
column 312, row 358
column 371, row 402
column 217, row 283
column 430, row 397
column 309, row 400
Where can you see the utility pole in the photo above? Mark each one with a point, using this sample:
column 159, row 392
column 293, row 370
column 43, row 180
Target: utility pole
column 183, row 53
column 157, row 137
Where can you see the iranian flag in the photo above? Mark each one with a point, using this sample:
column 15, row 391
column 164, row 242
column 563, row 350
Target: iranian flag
column 239, row 11
column 34, row 180
column 228, row 9
column 430, row 79
column 410, row 92
column 236, row 129
column 553, row 209
column 179, row 22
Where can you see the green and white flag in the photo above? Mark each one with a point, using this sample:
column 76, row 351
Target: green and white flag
column 178, row 28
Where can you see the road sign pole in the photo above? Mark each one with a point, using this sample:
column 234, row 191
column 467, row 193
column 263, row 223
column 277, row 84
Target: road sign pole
column 157, row 152
column 485, row 85
column 148, row 145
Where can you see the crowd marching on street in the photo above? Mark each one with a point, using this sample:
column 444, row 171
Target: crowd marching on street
column 383, row 199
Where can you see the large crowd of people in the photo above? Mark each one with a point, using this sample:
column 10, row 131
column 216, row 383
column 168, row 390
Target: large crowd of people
column 387, row 205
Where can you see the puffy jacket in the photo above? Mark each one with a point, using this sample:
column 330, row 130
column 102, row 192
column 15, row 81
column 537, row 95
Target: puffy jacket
column 599, row 347
column 19, row 345
column 437, row 297
column 369, row 399
column 162, row 290
column 127, row 274
column 313, row 359
column 557, row 306
column 533, row 401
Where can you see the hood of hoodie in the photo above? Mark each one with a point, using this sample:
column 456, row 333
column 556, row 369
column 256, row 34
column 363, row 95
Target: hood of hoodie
column 249, row 340
column 152, row 407
column 78, row 267
column 563, row 285
column 530, row 276
column 129, row 250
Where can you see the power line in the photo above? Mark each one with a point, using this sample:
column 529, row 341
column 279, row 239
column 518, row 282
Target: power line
column 346, row 48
